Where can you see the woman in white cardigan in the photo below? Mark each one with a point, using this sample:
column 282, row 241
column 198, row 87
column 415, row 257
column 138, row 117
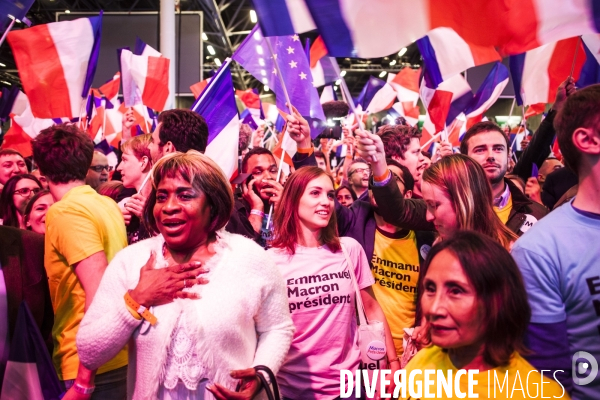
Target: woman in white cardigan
column 198, row 306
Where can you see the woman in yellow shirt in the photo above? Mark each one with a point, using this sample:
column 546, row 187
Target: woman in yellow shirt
column 475, row 305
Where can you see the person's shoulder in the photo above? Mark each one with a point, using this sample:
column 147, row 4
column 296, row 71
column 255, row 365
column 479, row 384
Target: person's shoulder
column 27, row 238
column 426, row 358
column 551, row 387
column 350, row 243
column 545, row 231
column 140, row 250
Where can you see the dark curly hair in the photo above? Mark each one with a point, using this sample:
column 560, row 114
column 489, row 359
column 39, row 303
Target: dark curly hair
column 396, row 139
column 186, row 129
column 63, row 153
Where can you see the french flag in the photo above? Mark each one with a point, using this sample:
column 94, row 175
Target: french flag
column 328, row 94
column 590, row 72
column 377, row 95
column 251, row 100
column 198, row 88
column 322, row 67
column 537, row 73
column 447, row 101
column 353, row 28
column 110, row 89
column 406, row 85
column 145, row 76
column 217, row 105
column 489, row 91
column 446, row 54
column 29, row 372
column 57, row 63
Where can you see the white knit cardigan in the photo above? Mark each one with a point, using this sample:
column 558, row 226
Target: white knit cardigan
column 241, row 320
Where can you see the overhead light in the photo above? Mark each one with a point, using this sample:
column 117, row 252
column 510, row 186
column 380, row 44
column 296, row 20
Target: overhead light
column 259, row 49
column 211, row 50
column 218, row 62
column 263, row 72
column 266, row 88
column 67, row 12
column 382, row 74
column 7, row 83
column 393, row 62
column 261, row 62
column 204, row 36
column 2, row 65
column 343, row 73
column 253, row 18
column 265, row 81
column 402, row 51
column 338, row 82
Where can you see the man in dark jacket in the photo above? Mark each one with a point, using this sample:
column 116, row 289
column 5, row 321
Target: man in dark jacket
column 24, row 279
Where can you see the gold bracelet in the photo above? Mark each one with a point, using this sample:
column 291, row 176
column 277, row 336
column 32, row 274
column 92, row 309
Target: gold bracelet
column 141, row 310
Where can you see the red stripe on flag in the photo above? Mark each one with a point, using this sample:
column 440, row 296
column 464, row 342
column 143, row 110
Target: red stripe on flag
column 249, row 98
column 535, row 109
column 561, row 62
column 197, row 88
column 111, row 89
column 156, row 89
column 15, row 138
column 439, row 106
column 41, row 72
column 410, row 110
column 408, row 78
column 317, row 51
column 483, row 54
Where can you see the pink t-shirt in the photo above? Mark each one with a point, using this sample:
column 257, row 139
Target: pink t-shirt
column 321, row 301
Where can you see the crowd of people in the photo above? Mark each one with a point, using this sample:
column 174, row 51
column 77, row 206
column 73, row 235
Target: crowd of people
column 161, row 279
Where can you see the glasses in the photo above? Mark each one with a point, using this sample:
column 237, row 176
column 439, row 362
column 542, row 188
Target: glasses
column 26, row 192
column 360, row 171
column 100, row 168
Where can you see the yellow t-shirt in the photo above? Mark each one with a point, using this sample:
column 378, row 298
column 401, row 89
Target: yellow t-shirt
column 395, row 267
column 505, row 212
column 81, row 224
column 519, row 380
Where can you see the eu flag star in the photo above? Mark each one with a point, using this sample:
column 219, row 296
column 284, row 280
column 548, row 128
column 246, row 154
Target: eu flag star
column 302, row 75
column 290, row 50
column 293, row 64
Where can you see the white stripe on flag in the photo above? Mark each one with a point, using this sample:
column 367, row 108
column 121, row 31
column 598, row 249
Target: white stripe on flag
column 223, row 149
column 536, row 82
column 318, row 75
column 453, row 55
column 382, row 99
column 555, row 19
column 73, row 41
column 300, row 16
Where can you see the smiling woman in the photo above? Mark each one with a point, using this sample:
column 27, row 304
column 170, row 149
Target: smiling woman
column 308, row 252
column 193, row 324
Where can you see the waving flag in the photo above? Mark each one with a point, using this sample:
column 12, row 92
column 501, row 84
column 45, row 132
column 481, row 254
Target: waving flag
column 197, row 88
column 110, row 89
column 376, row 95
column 590, row 72
column 15, row 8
column 354, row 28
column 537, row 74
column 446, row 54
column 406, row 85
column 489, row 91
column 57, row 63
column 7, row 101
column 254, row 55
column 447, row 101
column 217, row 105
column 144, row 49
column 328, row 94
column 251, row 100
column 322, row 67
column 29, row 372
column 248, row 119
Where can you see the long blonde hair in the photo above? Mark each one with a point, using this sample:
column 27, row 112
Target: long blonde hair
column 466, row 184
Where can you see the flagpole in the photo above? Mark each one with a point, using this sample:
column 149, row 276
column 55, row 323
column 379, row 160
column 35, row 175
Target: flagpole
column 291, row 110
column 434, row 137
column 214, row 79
column 7, row 29
column 104, row 120
column 349, row 100
column 574, row 58
column 512, row 108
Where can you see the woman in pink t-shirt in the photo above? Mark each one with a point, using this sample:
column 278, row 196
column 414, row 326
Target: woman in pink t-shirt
column 307, row 250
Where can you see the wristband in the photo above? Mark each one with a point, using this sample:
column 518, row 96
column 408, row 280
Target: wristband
column 307, row 150
column 381, row 178
column 141, row 310
column 83, row 390
column 257, row 212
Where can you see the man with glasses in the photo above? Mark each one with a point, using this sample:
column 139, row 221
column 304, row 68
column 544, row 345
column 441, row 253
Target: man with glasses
column 98, row 172
column 358, row 178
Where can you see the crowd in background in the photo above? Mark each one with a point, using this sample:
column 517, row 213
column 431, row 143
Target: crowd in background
column 160, row 279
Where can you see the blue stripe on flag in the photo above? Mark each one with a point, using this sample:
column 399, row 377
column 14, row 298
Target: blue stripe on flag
column 516, row 64
column 498, row 74
column 218, row 105
column 140, row 45
column 590, row 73
column 330, row 22
column 433, row 75
column 458, row 106
column 94, row 55
column 596, row 14
column 274, row 17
